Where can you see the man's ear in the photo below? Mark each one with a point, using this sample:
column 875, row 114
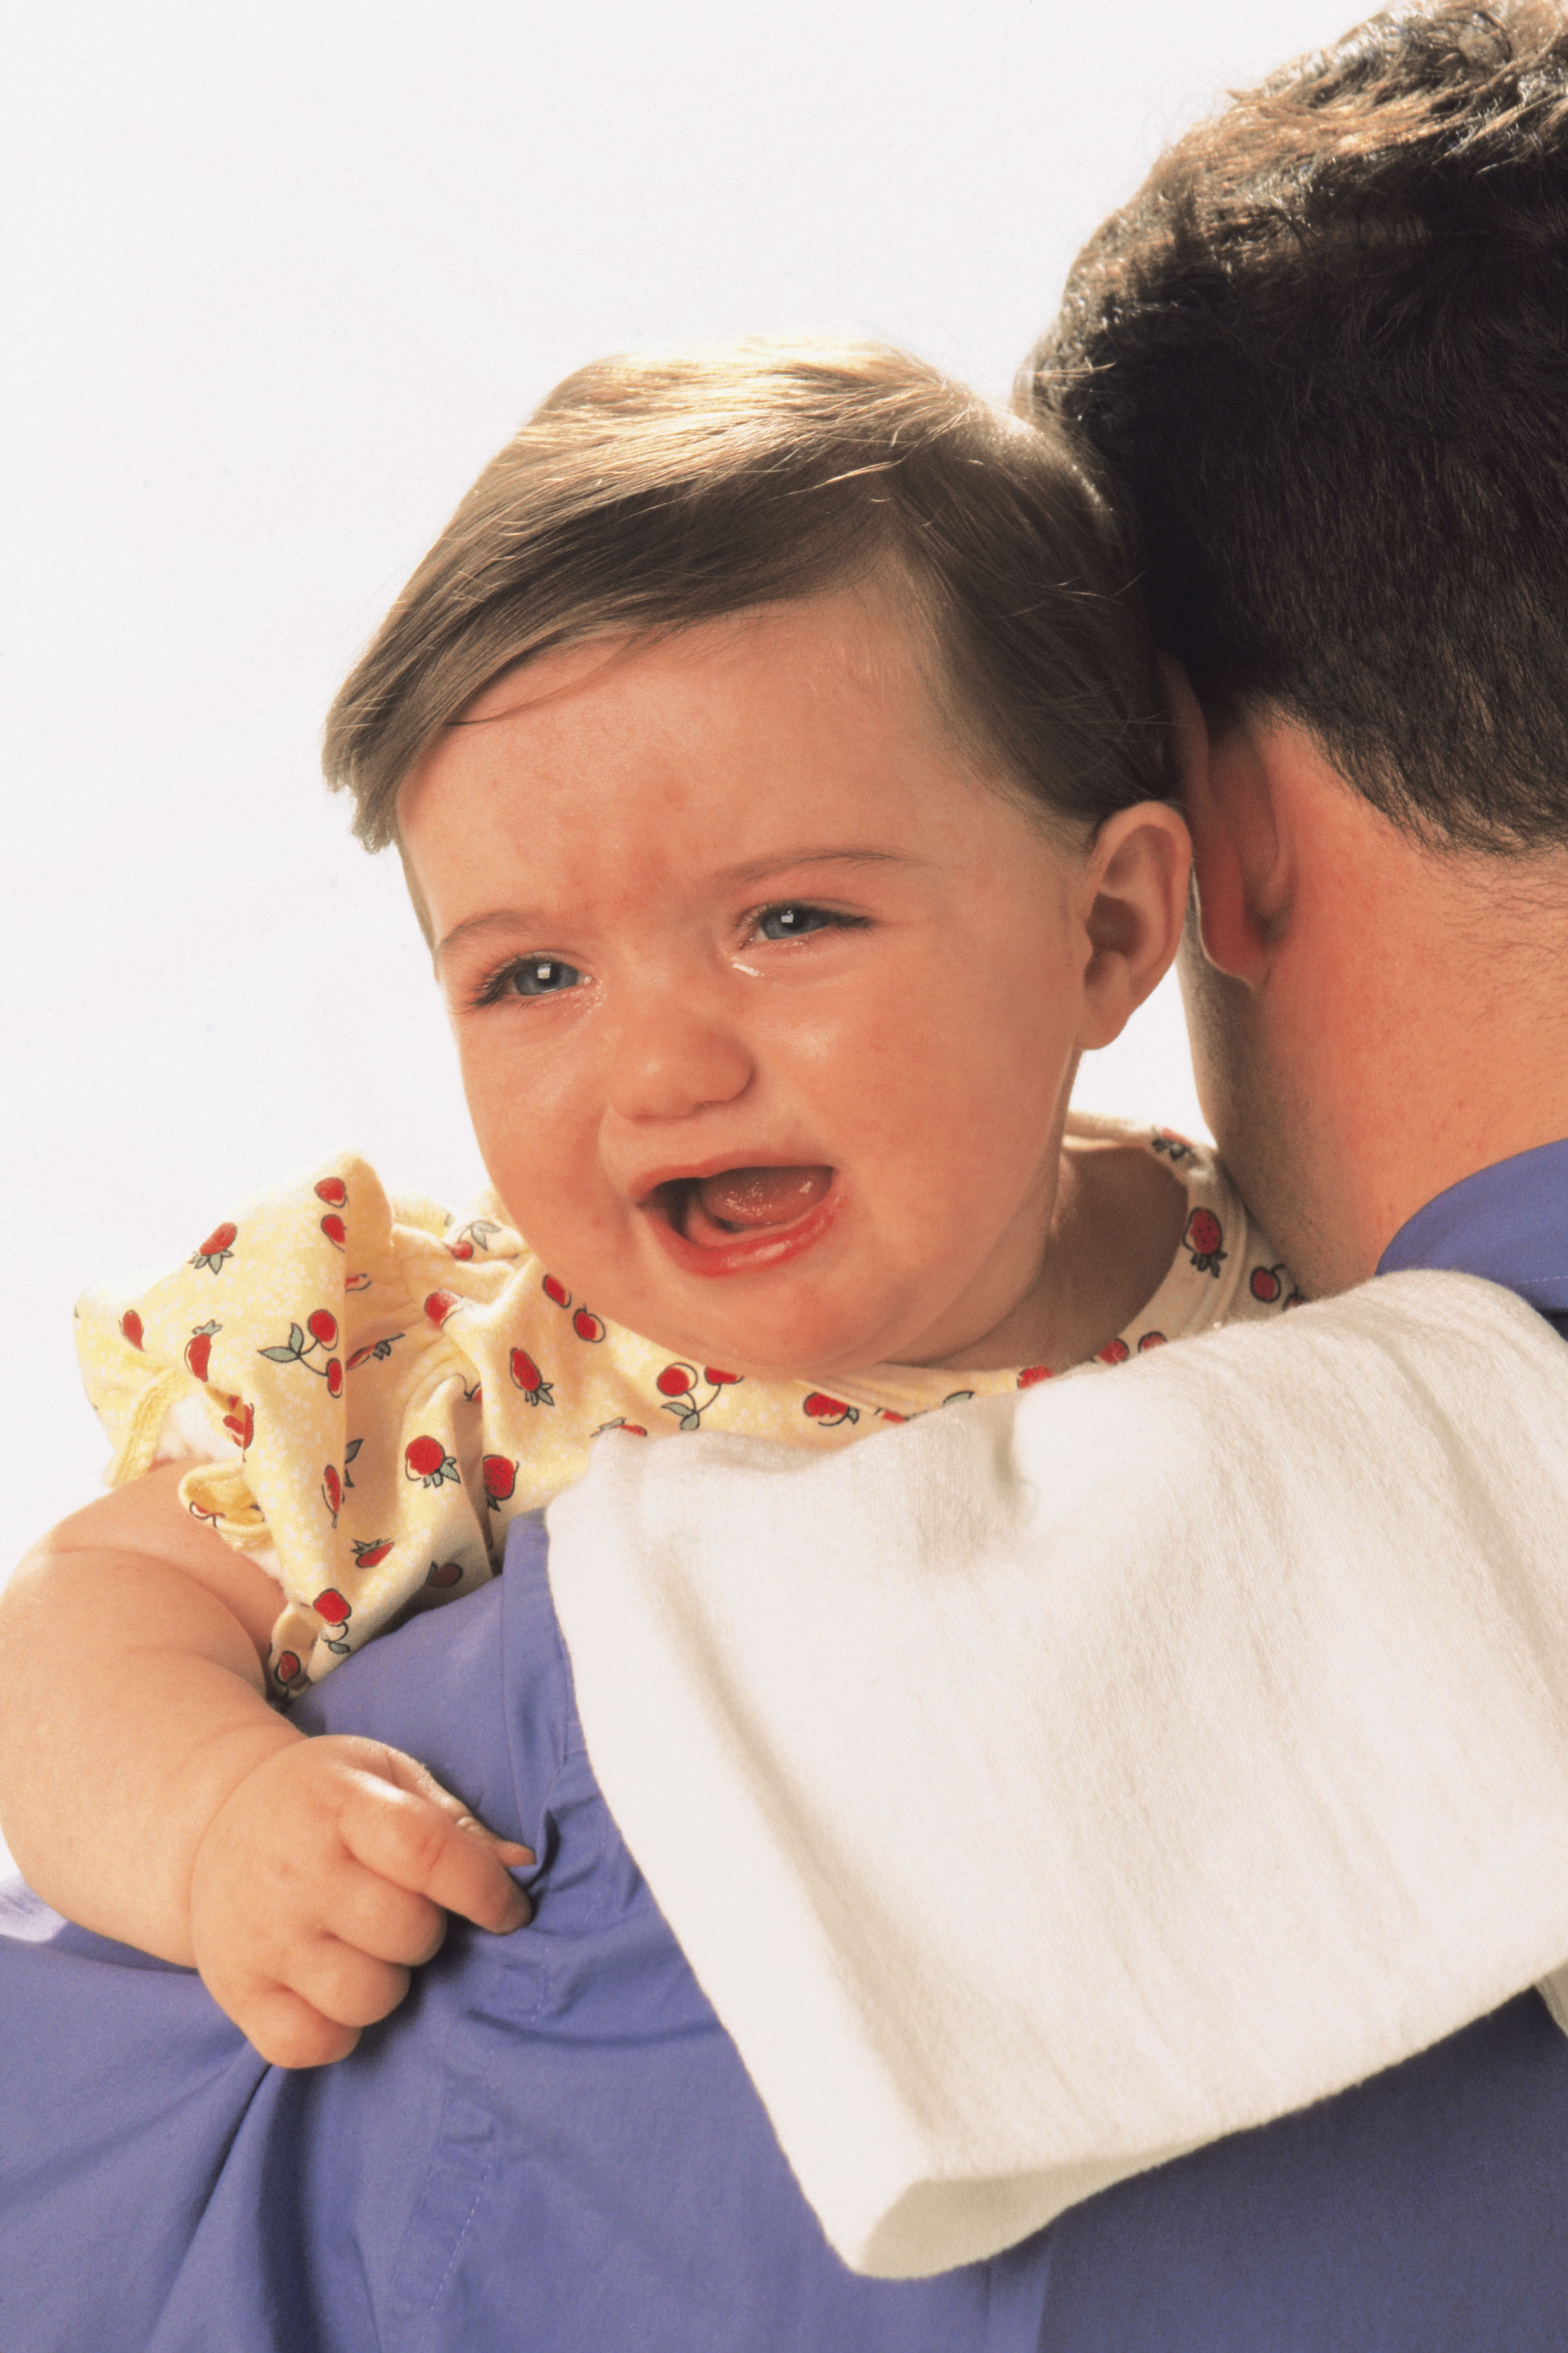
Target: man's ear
column 1240, row 875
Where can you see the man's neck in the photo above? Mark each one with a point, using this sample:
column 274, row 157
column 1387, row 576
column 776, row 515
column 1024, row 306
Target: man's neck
column 1447, row 1122
column 1409, row 1027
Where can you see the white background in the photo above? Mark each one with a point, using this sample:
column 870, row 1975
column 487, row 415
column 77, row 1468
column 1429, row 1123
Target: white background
column 274, row 282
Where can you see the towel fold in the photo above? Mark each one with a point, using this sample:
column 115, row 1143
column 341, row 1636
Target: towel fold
column 1059, row 1782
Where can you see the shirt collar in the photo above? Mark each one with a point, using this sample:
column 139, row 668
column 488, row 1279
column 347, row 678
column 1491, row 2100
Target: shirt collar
column 1508, row 1222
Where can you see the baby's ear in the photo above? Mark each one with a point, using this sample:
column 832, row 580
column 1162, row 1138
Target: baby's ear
column 1137, row 889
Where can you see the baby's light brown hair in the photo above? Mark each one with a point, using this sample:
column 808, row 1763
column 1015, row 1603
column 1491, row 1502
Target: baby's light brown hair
column 651, row 492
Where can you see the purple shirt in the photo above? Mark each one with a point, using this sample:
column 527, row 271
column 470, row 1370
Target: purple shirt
column 1509, row 1222
column 553, row 2143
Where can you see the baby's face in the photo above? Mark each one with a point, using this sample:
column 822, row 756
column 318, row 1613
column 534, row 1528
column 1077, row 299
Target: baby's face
column 768, row 1005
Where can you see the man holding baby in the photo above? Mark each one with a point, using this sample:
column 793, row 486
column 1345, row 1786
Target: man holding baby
column 1318, row 361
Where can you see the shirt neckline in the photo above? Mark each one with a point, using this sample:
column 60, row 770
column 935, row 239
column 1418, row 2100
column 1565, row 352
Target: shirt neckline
column 1507, row 1221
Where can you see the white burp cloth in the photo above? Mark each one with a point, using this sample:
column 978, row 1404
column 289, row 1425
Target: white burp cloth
column 1062, row 1781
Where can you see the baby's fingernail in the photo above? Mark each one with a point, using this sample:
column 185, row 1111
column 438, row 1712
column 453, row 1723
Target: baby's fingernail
column 512, row 1850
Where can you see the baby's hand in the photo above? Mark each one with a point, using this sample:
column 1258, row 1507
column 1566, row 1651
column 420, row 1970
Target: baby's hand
column 323, row 1879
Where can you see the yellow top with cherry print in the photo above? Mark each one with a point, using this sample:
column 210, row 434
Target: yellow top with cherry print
column 386, row 1386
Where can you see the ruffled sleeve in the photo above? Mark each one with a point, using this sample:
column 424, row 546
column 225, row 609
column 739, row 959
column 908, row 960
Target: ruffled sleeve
column 318, row 1326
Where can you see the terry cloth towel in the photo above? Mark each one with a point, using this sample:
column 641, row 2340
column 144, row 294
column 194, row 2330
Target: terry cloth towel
column 1059, row 1782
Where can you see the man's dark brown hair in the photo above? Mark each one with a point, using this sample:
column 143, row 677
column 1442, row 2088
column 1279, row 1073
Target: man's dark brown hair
column 1321, row 362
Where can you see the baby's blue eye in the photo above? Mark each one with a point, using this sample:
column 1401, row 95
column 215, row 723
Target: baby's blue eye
column 541, row 976
column 794, row 920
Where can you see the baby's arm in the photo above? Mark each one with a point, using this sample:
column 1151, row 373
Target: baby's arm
column 149, row 1792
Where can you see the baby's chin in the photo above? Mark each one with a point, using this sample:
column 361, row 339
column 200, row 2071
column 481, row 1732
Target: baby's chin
column 815, row 1348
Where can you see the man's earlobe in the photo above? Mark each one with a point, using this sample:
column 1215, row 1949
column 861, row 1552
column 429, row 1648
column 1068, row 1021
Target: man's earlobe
column 1229, row 933
column 1228, row 797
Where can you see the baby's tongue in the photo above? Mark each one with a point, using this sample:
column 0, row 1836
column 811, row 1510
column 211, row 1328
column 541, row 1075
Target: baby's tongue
column 762, row 1196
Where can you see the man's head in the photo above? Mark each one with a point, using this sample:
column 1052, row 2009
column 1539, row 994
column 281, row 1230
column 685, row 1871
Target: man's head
column 1323, row 357
column 1321, row 362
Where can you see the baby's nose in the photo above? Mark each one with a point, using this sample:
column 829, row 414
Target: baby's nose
column 672, row 1057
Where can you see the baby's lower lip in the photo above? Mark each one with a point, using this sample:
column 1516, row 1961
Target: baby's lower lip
column 719, row 1252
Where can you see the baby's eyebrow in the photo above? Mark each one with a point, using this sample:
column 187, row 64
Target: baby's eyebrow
column 756, row 870
column 498, row 919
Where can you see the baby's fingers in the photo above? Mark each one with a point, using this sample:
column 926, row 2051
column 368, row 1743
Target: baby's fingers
column 333, row 1994
column 367, row 1910
column 408, row 1829
column 289, row 2032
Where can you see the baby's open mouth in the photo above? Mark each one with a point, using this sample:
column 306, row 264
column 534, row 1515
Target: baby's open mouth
column 740, row 1217
column 745, row 1201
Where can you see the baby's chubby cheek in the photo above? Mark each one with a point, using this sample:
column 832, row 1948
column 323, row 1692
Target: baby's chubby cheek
column 563, row 1207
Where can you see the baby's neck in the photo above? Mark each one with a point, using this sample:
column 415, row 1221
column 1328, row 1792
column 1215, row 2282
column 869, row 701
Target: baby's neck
column 1115, row 1229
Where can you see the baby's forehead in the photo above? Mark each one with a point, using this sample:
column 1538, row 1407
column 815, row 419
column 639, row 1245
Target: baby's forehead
column 535, row 679
column 805, row 726
column 872, row 632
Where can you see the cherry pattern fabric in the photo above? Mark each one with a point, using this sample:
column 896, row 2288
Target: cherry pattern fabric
column 385, row 1388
